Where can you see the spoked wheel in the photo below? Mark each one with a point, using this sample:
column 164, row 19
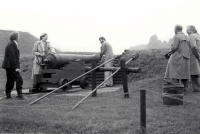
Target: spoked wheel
column 84, row 82
column 63, row 81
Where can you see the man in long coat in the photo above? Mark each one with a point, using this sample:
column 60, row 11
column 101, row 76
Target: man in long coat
column 106, row 54
column 40, row 49
column 12, row 66
column 178, row 67
column 194, row 57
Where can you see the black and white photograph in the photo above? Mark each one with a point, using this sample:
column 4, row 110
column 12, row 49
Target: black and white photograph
column 99, row 67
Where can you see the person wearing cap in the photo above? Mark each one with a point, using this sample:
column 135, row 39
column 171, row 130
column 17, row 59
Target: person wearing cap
column 194, row 57
column 40, row 49
column 178, row 67
column 106, row 54
column 11, row 64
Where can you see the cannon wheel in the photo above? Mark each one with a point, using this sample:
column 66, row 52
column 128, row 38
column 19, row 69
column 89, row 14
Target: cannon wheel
column 63, row 81
column 84, row 82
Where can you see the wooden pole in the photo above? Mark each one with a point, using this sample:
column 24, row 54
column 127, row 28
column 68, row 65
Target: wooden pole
column 143, row 111
column 94, row 78
column 95, row 89
column 124, row 78
column 101, row 69
column 134, row 57
column 68, row 82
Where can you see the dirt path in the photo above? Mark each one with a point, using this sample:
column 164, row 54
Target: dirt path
column 75, row 91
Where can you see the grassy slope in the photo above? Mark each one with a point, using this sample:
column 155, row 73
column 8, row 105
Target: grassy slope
column 26, row 41
column 113, row 115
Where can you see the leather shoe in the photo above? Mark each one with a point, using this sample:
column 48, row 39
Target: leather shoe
column 8, row 97
column 20, row 97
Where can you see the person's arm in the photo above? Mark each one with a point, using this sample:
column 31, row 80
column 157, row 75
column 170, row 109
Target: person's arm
column 194, row 47
column 174, row 46
column 12, row 56
column 103, row 50
column 35, row 50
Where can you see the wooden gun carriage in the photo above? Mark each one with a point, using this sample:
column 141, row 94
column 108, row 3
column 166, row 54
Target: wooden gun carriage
column 58, row 69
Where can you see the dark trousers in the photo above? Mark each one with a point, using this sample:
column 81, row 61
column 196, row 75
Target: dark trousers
column 13, row 76
column 195, row 83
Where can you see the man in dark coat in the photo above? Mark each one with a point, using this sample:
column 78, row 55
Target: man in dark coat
column 12, row 67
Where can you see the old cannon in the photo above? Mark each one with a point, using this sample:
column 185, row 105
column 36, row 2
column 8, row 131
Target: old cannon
column 56, row 61
column 58, row 69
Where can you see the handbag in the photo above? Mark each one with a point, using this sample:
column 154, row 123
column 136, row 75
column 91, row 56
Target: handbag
column 167, row 55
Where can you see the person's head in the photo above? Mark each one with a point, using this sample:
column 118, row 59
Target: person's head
column 191, row 29
column 14, row 36
column 44, row 37
column 102, row 39
column 178, row 28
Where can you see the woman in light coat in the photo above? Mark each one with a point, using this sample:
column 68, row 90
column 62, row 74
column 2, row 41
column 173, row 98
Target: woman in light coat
column 194, row 57
column 40, row 49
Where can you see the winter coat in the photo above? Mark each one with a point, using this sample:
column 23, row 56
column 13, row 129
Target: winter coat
column 37, row 50
column 178, row 66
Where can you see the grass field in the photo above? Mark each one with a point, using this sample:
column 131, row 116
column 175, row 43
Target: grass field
column 113, row 115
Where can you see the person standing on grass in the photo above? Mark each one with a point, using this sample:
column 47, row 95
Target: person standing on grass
column 194, row 57
column 12, row 66
column 40, row 49
column 106, row 54
column 178, row 67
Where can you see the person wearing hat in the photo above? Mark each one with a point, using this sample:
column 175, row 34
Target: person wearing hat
column 106, row 54
column 40, row 49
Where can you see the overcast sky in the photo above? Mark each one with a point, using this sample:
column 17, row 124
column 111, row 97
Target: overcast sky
column 76, row 25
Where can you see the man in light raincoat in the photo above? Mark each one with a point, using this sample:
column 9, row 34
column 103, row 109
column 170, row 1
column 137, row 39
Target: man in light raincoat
column 106, row 54
column 178, row 67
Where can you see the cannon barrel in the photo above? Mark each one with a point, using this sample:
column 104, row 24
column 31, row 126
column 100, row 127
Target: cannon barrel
column 59, row 60
column 129, row 70
column 135, row 56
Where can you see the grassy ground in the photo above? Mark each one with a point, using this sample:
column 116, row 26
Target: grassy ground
column 112, row 115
